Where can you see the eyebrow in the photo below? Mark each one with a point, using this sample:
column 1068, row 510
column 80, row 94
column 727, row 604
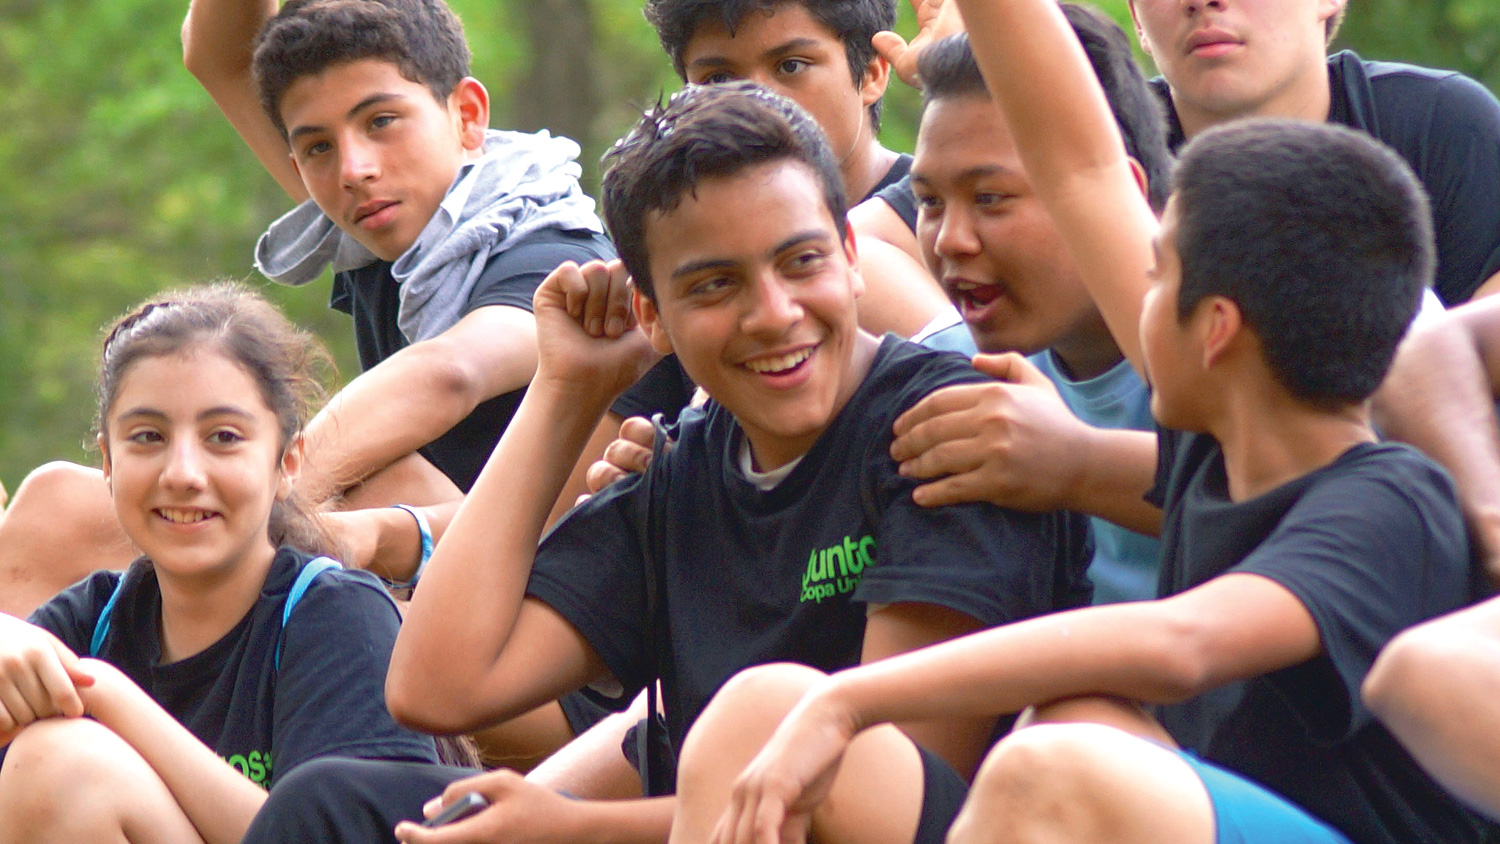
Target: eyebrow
column 779, row 50
column 373, row 99
column 968, row 175
column 153, row 413
column 723, row 263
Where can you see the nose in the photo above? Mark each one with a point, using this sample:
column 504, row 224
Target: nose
column 358, row 162
column 955, row 235
column 772, row 307
column 185, row 466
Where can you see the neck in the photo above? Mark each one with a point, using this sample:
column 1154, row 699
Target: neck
column 1088, row 355
column 1308, row 97
column 1271, row 442
column 864, row 167
column 198, row 611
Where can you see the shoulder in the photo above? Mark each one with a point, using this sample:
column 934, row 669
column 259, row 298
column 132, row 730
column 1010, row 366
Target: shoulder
column 333, row 592
column 72, row 614
column 1445, row 97
column 904, row 373
column 541, row 252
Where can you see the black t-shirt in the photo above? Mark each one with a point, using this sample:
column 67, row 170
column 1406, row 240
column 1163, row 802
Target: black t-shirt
column 373, row 297
column 748, row 576
column 1447, row 127
column 326, row 699
column 1370, row 544
column 666, row 387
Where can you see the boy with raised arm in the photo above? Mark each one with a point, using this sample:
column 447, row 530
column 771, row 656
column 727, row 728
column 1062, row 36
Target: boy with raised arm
column 776, row 528
column 437, row 229
column 1264, row 310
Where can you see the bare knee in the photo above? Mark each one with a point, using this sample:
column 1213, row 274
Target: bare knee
column 59, row 527
column 750, row 705
column 1060, row 782
column 65, row 768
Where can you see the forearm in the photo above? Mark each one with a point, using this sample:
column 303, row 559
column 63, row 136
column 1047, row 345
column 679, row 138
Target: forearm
column 1432, row 685
column 641, row 821
column 388, row 412
column 1005, row 669
column 1119, row 468
column 1071, row 149
column 218, row 800
column 455, row 636
column 218, row 40
column 1438, row 397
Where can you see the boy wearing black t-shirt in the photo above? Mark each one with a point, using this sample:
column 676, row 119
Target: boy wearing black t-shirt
column 1289, row 262
column 776, row 528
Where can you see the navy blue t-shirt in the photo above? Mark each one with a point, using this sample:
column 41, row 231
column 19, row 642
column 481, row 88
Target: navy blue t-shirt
column 748, row 576
column 1447, row 127
column 372, row 297
column 326, row 699
column 1370, row 544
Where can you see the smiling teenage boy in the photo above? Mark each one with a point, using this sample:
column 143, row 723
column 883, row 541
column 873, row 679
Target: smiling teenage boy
column 1290, row 260
column 775, row 529
column 1223, row 60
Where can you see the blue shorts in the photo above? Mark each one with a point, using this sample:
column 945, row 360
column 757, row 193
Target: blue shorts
column 1246, row 813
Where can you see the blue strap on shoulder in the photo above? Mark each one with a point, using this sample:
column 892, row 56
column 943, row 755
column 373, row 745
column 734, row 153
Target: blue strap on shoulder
column 304, row 579
column 101, row 626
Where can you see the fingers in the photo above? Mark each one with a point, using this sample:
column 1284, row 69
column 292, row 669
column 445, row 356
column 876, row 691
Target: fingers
column 911, row 440
column 894, row 49
column 1013, row 368
column 598, row 296
column 638, row 430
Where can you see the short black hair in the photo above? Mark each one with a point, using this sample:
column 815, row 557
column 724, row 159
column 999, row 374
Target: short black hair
column 705, row 132
column 855, row 22
column 1321, row 235
column 948, row 71
column 423, row 38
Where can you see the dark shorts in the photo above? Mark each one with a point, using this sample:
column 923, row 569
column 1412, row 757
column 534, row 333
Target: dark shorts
column 943, row 793
column 1246, row 813
column 348, row 800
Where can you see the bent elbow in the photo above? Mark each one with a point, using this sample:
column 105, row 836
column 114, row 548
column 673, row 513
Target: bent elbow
column 1414, row 660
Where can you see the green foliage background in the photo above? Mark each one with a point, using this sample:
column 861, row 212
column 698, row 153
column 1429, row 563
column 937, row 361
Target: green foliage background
column 119, row 178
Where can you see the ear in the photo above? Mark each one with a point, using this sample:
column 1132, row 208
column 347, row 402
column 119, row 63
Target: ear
column 1141, row 181
column 103, row 442
column 1140, row 34
column 851, row 254
column 291, row 466
column 876, row 79
column 649, row 319
column 470, row 103
column 1219, row 326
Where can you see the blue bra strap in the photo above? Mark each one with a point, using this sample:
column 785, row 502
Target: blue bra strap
column 304, row 579
column 101, row 626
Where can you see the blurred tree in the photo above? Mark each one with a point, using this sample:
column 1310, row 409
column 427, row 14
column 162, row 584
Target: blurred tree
column 119, row 178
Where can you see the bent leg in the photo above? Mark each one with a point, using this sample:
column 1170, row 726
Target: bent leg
column 70, row 779
column 358, row 801
column 1084, row 783
column 877, row 797
column 59, row 527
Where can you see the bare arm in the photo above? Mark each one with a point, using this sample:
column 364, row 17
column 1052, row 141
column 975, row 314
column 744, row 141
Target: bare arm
column 473, row 650
column 1155, row 651
column 1071, row 148
column 218, row 39
column 1437, row 686
column 900, row 295
column 213, row 795
column 1440, row 397
column 414, row 396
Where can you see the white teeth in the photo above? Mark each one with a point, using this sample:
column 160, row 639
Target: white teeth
column 780, row 363
column 183, row 516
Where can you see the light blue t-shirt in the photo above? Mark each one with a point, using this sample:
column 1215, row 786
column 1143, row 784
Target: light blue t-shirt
column 1125, row 563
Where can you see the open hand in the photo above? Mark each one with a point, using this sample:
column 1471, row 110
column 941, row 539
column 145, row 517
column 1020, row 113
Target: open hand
column 773, row 800
column 1012, row 442
column 936, row 20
